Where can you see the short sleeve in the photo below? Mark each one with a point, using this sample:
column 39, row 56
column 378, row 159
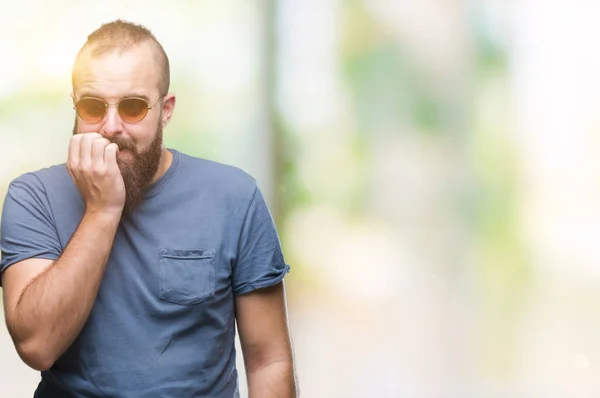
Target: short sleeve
column 260, row 262
column 26, row 228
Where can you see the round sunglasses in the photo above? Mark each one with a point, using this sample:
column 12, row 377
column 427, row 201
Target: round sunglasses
column 131, row 109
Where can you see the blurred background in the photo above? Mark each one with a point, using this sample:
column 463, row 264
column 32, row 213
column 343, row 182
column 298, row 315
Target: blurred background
column 433, row 168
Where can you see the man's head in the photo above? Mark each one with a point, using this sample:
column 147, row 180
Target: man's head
column 123, row 63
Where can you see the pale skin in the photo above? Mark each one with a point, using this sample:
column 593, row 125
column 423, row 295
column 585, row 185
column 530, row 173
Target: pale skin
column 48, row 302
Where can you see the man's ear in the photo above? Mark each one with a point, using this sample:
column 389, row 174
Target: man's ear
column 168, row 108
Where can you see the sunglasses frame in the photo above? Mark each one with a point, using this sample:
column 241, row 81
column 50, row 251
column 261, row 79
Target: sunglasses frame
column 107, row 104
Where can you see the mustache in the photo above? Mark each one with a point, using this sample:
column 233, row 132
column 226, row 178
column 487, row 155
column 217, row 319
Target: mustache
column 122, row 143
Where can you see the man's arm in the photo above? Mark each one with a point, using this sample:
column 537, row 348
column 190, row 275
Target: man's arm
column 48, row 302
column 265, row 341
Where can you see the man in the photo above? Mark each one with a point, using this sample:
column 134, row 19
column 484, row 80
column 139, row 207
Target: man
column 125, row 269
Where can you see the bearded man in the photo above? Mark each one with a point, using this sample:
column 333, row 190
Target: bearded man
column 125, row 270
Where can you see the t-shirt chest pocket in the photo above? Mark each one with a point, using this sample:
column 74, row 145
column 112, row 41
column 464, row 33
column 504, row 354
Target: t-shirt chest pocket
column 187, row 277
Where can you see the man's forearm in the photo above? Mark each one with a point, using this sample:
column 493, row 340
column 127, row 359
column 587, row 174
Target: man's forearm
column 275, row 380
column 53, row 308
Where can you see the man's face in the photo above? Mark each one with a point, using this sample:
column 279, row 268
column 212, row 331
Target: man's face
column 112, row 77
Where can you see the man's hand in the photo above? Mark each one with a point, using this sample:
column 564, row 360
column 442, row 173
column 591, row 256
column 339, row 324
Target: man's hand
column 92, row 163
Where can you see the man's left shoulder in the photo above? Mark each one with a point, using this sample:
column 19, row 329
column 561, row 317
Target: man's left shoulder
column 221, row 176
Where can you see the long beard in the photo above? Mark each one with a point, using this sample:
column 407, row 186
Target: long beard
column 138, row 172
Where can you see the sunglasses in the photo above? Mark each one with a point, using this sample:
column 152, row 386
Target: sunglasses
column 131, row 109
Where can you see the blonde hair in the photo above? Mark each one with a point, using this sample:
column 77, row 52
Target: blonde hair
column 121, row 35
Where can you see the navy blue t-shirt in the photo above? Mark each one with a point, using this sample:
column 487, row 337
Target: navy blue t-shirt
column 163, row 324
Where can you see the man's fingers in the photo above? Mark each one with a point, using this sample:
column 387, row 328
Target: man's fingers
column 98, row 146
column 73, row 156
column 85, row 150
column 110, row 155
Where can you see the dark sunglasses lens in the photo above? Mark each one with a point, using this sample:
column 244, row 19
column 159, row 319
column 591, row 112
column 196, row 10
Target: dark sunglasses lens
column 133, row 110
column 91, row 110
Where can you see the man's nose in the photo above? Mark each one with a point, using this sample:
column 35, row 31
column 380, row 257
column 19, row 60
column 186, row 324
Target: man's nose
column 113, row 124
